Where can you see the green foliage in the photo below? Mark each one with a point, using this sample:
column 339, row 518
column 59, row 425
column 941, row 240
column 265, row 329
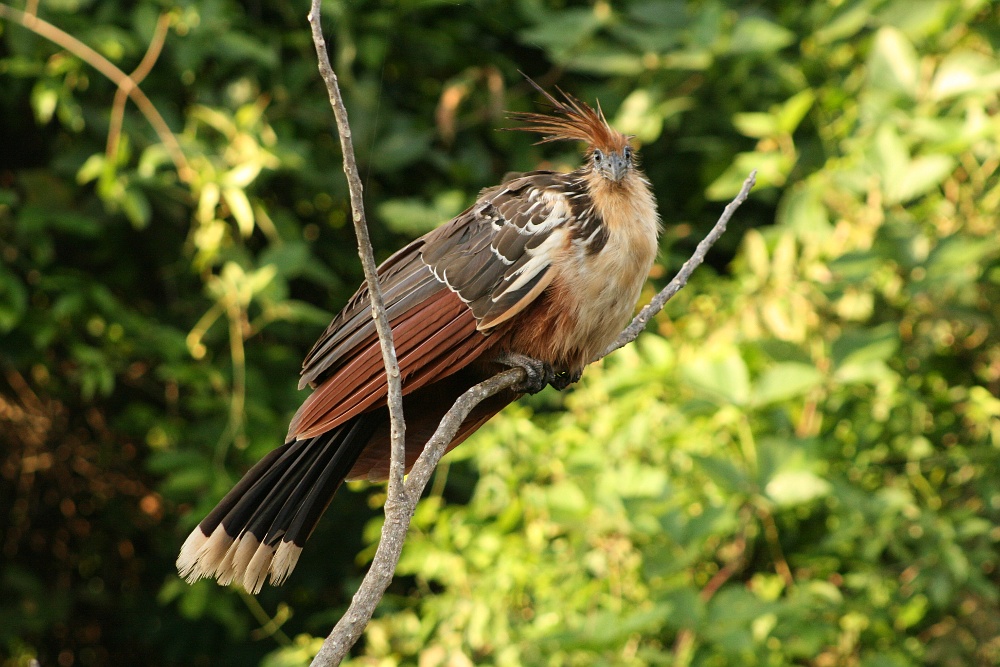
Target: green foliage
column 796, row 465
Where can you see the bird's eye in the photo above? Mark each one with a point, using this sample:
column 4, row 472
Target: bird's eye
column 627, row 152
column 598, row 156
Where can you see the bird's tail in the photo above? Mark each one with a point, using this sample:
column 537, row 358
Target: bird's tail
column 259, row 528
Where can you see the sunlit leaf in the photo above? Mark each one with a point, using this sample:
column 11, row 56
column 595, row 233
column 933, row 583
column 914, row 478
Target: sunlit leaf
column 794, row 109
column 965, row 71
column 758, row 35
column 784, row 381
column 239, row 206
column 865, row 345
column 796, row 487
column 756, row 124
column 44, row 100
column 893, row 62
column 241, row 176
column 609, row 61
column 724, row 377
column 920, row 175
column 772, row 170
column 639, row 115
column 849, row 18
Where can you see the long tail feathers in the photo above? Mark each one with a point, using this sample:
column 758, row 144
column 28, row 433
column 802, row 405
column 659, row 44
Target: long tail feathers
column 259, row 528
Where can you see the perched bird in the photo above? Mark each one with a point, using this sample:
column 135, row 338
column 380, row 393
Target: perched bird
column 542, row 272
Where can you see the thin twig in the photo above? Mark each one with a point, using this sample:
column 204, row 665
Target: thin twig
column 107, row 68
column 398, row 507
column 137, row 75
column 395, row 398
column 684, row 643
column 774, row 544
column 632, row 331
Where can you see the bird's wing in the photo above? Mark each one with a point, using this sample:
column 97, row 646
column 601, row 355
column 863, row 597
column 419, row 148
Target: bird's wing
column 500, row 262
column 445, row 293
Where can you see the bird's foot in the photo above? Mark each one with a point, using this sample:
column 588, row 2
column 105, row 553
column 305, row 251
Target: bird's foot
column 537, row 373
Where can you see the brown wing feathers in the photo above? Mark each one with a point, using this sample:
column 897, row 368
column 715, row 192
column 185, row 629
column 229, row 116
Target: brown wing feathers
column 405, row 282
column 440, row 326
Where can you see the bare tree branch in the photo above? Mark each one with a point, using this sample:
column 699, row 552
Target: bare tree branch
column 124, row 82
column 395, row 398
column 137, row 75
column 404, row 495
column 397, row 510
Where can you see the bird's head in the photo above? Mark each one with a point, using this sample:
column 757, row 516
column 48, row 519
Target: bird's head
column 609, row 153
column 612, row 162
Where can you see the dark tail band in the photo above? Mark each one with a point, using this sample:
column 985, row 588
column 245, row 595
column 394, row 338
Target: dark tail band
column 261, row 525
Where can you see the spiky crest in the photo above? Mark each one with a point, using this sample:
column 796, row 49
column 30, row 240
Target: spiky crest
column 576, row 121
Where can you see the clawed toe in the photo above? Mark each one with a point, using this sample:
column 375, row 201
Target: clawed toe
column 538, row 373
column 565, row 379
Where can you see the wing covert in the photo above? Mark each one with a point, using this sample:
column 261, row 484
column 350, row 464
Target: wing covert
column 497, row 255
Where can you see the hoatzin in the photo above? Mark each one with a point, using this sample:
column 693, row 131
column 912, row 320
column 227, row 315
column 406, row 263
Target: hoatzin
column 542, row 272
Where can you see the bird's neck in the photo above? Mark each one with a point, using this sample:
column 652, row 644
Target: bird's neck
column 626, row 206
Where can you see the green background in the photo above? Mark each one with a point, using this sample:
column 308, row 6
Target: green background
column 798, row 464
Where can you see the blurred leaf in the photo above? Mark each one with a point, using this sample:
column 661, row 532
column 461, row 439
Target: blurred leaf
column 848, row 19
column 609, row 630
column 756, row 124
column 607, row 61
column 136, row 207
column 963, row 72
column 44, row 99
column 299, row 653
column 862, row 346
column 562, row 30
column 754, row 34
column 772, row 170
column 413, row 217
column 724, row 377
column 802, row 209
column 400, row 148
column 241, row 209
column 784, row 381
column 639, row 115
column 796, row 487
column 13, row 300
column 955, row 253
column 891, row 157
column 893, row 62
column 792, row 112
column 918, row 177
column 725, row 474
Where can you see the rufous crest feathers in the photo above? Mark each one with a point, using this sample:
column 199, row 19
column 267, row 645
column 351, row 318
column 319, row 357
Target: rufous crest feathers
column 570, row 120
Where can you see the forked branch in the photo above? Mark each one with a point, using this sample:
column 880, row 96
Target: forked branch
column 403, row 495
column 124, row 82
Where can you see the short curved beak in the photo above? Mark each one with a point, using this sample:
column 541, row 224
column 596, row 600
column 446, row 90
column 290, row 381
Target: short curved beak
column 618, row 166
